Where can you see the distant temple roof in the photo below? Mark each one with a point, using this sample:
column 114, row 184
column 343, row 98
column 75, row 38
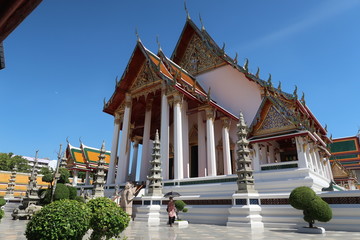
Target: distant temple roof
column 346, row 151
column 84, row 158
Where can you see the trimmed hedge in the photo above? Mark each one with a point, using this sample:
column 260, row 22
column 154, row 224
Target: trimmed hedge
column 72, row 192
column 64, row 219
column 2, row 214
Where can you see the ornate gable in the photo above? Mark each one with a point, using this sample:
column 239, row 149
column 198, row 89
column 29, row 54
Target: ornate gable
column 271, row 121
column 198, row 57
column 145, row 78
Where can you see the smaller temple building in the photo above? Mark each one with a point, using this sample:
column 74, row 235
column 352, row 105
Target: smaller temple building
column 345, row 161
column 84, row 159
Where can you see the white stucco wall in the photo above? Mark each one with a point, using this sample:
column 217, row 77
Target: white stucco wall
column 233, row 91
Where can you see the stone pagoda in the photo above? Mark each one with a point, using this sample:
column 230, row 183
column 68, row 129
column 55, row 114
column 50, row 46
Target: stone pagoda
column 245, row 211
column 155, row 179
column 244, row 170
column 98, row 189
column 31, row 196
column 11, row 185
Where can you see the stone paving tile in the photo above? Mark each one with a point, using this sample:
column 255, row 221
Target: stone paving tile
column 14, row 230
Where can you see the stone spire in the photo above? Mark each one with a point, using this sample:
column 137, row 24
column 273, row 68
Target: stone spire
column 63, row 161
column 155, row 179
column 98, row 189
column 244, row 171
column 11, row 185
column 32, row 185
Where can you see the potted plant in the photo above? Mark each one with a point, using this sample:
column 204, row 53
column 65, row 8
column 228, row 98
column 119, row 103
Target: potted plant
column 314, row 208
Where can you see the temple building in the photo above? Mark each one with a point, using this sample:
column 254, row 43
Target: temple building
column 345, row 159
column 194, row 99
column 84, row 159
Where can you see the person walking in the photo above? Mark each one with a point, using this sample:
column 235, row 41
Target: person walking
column 171, row 211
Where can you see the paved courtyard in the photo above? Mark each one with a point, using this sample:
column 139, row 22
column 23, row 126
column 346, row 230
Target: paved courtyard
column 14, row 230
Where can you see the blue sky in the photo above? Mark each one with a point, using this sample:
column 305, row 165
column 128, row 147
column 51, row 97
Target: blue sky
column 62, row 61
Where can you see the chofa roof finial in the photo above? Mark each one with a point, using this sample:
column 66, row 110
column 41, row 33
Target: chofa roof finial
column 186, row 10
column 158, row 43
column 137, row 35
column 202, row 24
column 257, row 75
column 295, row 92
column 246, row 65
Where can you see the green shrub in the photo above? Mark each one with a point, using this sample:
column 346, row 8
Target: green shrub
column 2, row 202
column 61, row 192
column 64, row 175
column 72, row 192
column 64, row 219
column 300, row 197
column 80, row 199
column 314, row 208
column 108, row 220
column 2, row 213
column 180, row 207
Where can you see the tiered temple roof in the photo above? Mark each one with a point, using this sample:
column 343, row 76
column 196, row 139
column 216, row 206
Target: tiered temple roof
column 84, row 158
column 346, row 151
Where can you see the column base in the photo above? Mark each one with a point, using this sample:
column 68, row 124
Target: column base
column 149, row 212
column 245, row 212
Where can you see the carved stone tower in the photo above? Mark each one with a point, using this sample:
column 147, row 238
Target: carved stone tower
column 11, row 185
column 244, row 170
column 155, row 179
column 98, row 189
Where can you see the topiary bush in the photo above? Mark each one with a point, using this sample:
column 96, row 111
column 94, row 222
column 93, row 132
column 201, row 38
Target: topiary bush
column 180, row 207
column 314, row 208
column 107, row 220
column 61, row 192
column 2, row 202
column 2, row 214
column 64, row 175
column 72, row 192
column 64, row 219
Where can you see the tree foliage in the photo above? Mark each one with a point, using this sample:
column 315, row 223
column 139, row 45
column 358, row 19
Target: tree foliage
column 72, row 192
column 64, row 175
column 45, row 171
column 107, row 220
column 64, row 219
column 314, row 208
column 9, row 160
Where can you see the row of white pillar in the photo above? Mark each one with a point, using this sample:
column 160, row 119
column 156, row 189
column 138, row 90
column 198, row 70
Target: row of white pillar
column 181, row 142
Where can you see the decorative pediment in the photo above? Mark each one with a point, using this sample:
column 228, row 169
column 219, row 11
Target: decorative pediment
column 272, row 120
column 338, row 170
column 198, row 57
column 145, row 78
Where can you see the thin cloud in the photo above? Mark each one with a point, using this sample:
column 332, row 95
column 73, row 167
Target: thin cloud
column 318, row 15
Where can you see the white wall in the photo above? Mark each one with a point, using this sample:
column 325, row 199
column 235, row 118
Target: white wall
column 233, row 91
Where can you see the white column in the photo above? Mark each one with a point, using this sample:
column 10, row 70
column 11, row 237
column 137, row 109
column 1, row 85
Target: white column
column 313, row 157
column 185, row 135
column 87, row 178
column 114, row 150
column 134, row 159
column 256, row 158
column 121, row 168
column 75, row 177
column 226, row 145
column 301, row 152
column 164, row 135
column 211, row 157
column 201, row 146
column 145, row 155
column 178, row 141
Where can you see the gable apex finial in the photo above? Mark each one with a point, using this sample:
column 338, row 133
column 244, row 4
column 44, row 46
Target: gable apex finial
column 137, row 35
column 186, row 10
column 158, row 43
column 202, row 24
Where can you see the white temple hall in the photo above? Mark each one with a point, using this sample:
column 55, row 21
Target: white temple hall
column 194, row 99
